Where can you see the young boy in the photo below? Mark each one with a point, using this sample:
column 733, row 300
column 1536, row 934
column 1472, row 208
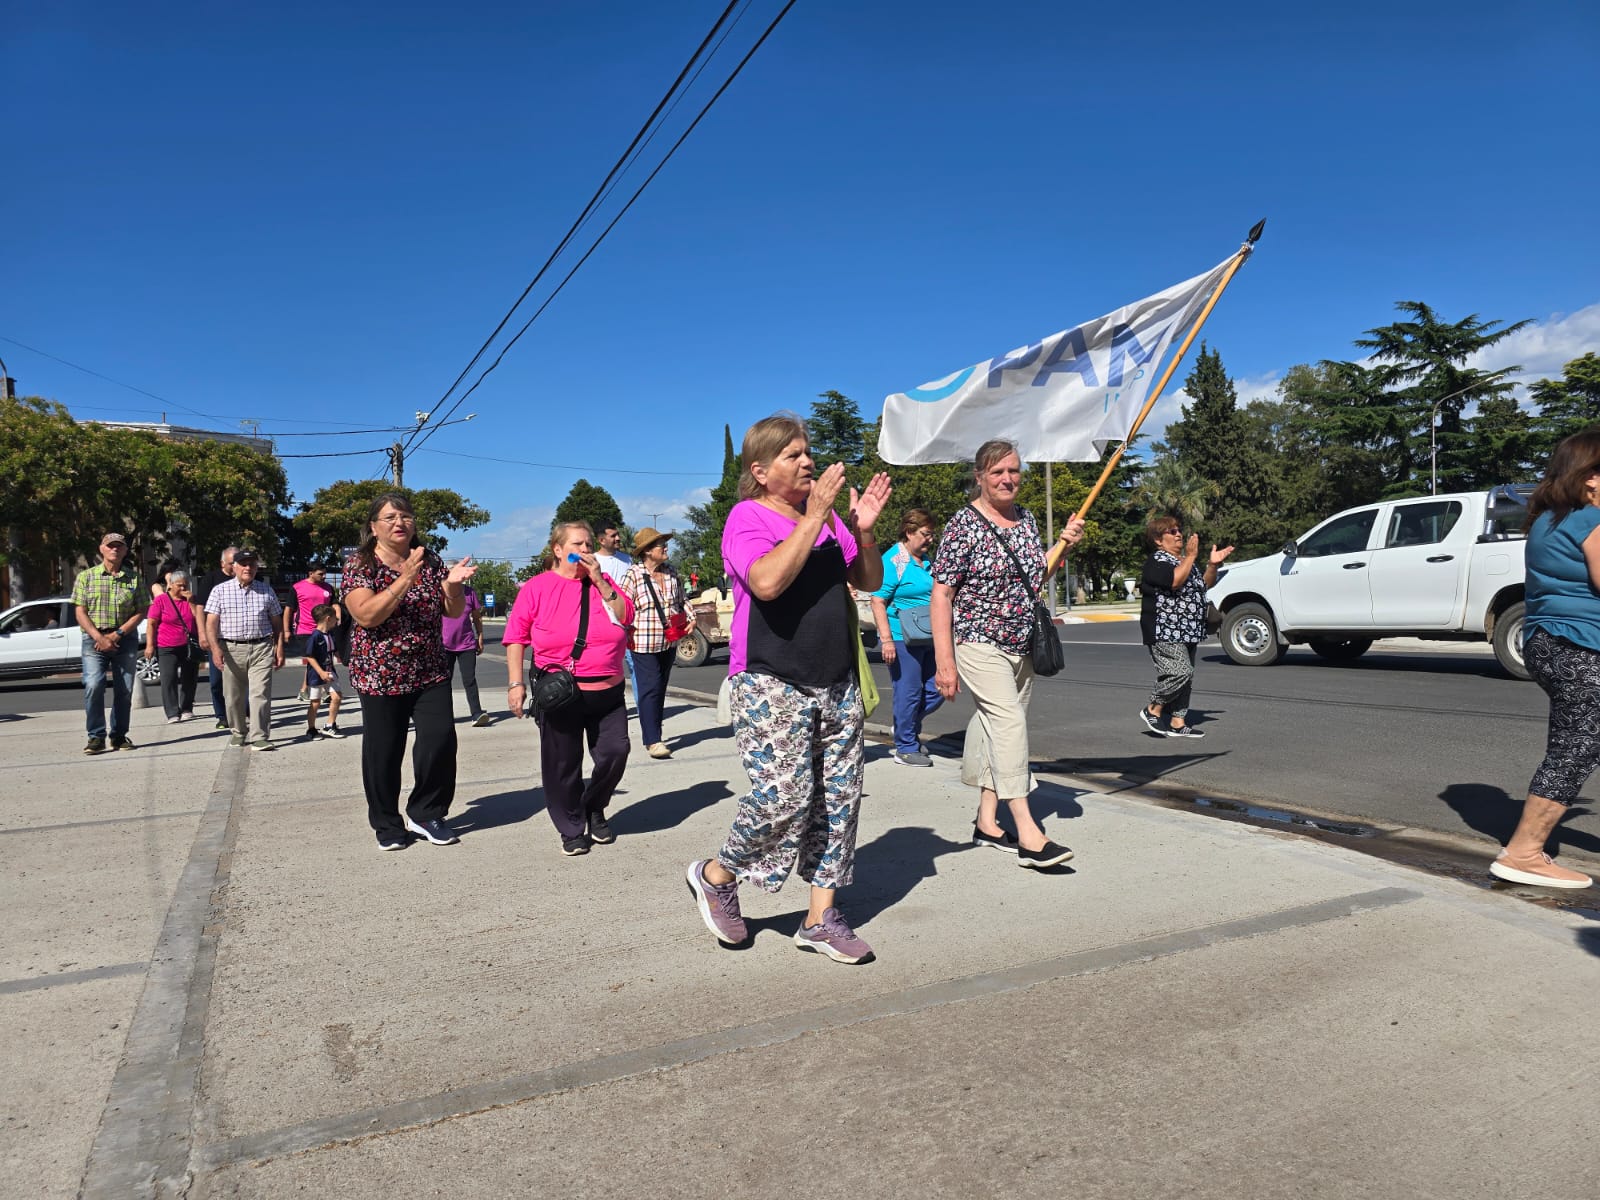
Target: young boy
column 322, row 675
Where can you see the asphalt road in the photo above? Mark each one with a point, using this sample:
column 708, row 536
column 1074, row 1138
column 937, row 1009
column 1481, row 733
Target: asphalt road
column 1437, row 739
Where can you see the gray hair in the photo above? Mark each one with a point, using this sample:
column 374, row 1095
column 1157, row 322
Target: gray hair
column 178, row 576
column 230, row 552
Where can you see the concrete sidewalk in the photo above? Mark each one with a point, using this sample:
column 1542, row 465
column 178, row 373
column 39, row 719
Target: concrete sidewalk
column 216, row 985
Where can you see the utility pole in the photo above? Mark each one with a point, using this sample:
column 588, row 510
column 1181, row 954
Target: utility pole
column 397, row 460
column 16, row 584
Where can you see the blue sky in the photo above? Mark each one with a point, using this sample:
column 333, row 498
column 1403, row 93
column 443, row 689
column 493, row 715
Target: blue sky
column 313, row 215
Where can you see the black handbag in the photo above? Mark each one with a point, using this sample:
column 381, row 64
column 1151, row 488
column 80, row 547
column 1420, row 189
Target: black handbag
column 1044, row 643
column 556, row 688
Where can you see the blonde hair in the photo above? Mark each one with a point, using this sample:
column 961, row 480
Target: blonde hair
column 763, row 442
column 558, row 533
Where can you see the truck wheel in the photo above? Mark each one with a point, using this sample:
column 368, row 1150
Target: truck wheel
column 1341, row 650
column 1250, row 636
column 1508, row 642
column 693, row 650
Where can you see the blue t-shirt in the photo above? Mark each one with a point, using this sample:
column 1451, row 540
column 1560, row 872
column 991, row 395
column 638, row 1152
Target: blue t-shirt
column 906, row 584
column 1560, row 598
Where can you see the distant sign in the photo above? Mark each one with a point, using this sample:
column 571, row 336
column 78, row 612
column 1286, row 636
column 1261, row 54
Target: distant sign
column 488, row 599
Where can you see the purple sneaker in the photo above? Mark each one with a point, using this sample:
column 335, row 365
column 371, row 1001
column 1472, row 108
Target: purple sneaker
column 719, row 904
column 834, row 938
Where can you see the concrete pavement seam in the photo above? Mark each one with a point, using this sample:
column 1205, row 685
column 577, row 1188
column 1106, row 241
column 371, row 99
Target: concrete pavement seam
column 62, row 978
column 140, row 817
column 386, row 1119
column 142, row 1145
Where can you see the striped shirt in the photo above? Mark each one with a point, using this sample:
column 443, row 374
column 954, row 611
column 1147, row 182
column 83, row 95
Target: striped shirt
column 244, row 613
column 108, row 598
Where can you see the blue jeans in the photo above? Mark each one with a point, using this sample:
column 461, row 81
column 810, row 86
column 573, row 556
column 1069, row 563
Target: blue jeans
column 650, row 690
column 915, row 693
column 119, row 665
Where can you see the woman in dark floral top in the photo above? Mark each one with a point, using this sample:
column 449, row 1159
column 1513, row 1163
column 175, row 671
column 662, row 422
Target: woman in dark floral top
column 398, row 591
column 982, row 618
column 1173, row 622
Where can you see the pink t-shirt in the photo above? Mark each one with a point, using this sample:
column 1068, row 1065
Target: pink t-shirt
column 803, row 635
column 307, row 595
column 545, row 616
column 174, row 622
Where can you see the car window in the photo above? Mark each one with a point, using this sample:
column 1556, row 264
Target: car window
column 32, row 618
column 1422, row 524
column 1343, row 535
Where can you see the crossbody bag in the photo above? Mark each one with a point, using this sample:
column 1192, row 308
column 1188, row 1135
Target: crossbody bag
column 556, row 688
column 1044, row 644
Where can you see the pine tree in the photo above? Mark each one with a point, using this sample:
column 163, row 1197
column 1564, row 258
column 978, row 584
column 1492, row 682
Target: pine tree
column 589, row 502
column 1568, row 404
column 701, row 546
column 838, row 434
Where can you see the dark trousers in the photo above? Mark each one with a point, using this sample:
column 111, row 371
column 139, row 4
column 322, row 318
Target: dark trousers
column 650, row 675
column 601, row 719
column 467, row 660
column 180, row 671
column 433, row 757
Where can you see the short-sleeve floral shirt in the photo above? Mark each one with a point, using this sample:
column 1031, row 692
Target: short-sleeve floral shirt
column 406, row 653
column 991, row 603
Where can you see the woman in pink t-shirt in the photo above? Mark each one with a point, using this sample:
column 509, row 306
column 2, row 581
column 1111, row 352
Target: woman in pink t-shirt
column 170, row 633
column 546, row 616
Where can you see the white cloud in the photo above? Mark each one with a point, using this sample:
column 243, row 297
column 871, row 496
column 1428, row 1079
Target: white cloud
column 667, row 513
column 1172, row 405
column 518, row 536
column 1543, row 348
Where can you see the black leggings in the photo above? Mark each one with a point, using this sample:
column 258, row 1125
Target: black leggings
column 384, row 722
column 1570, row 676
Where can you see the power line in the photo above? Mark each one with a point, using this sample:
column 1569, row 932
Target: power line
column 604, row 233
column 584, row 215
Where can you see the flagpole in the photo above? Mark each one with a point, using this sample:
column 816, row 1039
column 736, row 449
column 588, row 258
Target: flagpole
column 1058, row 548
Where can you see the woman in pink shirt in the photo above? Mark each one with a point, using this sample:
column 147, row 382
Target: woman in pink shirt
column 546, row 616
column 170, row 632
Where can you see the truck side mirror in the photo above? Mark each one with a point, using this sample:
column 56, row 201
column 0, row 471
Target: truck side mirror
column 1290, row 549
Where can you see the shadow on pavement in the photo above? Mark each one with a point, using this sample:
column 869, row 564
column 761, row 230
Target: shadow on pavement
column 1494, row 812
column 888, row 868
column 1589, row 939
column 666, row 809
column 502, row 808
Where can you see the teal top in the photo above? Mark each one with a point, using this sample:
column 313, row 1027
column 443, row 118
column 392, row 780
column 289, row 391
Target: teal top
column 906, row 584
column 1560, row 598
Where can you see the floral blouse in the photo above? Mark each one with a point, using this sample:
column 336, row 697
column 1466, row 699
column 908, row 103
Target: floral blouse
column 991, row 603
column 1170, row 614
column 406, row 653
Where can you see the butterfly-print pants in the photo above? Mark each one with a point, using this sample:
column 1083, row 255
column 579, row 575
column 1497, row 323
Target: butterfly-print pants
column 802, row 748
column 1570, row 676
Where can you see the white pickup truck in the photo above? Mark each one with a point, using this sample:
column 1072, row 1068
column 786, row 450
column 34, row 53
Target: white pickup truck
column 1446, row 567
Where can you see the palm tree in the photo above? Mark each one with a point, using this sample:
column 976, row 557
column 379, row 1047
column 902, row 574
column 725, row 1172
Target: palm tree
column 1171, row 487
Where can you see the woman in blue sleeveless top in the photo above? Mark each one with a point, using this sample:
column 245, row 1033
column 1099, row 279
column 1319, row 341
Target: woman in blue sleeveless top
column 1561, row 645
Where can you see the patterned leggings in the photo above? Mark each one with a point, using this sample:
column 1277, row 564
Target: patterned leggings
column 802, row 748
column 1174, row 676
column 1570, row 676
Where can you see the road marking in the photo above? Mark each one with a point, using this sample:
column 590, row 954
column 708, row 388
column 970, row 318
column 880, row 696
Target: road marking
column 458, row 1102
column 36, row 983
column 193, row 812
column 142, row 1145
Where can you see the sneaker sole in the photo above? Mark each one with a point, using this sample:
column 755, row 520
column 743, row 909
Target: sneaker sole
column 574, row 853
column 1512, row 875
column 392, row 846
column 601, row 841
column 1037, row 863
column 418, row 831
column 830, row 950
column 1000, row 846
column 704, row 906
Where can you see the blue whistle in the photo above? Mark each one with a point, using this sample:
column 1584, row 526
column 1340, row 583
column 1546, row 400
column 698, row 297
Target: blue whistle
column 573, row 558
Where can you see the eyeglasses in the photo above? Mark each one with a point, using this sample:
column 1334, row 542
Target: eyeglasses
column 396, row 519
column 1173, row 533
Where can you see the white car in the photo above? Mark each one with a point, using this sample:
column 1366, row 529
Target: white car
column 1437, row 567
column 41, row 637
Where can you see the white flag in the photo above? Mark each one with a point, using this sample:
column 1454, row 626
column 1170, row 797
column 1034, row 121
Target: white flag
column 1062, row 399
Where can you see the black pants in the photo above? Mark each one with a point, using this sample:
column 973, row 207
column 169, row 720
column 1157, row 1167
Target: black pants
column 219, row 704
column 433, row 757
column 650, row 675
column 467, row 660
column 180, row 672
column 601, row 718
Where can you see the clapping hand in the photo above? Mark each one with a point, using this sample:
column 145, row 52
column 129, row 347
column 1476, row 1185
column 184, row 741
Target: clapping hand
column 825, row 489
column 462, row 571
column 1191, row 547
column 866, row 505
column 1218, row 555
column 412, row 565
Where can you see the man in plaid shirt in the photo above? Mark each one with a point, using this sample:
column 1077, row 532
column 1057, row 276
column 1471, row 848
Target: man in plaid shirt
column 244, row 627
column 108, row 601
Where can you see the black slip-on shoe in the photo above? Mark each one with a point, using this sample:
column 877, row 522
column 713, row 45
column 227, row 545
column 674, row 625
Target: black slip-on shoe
column 1006, row 841
column 1050, row 855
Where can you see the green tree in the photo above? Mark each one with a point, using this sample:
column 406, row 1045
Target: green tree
column 495, row 577
column 1420, row 363
column 337, row 514
column 941, row 488
column 838, row 434
column 589, row 502
column 1500, row 443
column 1171, row 486
column 1568, row 404
column 700, row 546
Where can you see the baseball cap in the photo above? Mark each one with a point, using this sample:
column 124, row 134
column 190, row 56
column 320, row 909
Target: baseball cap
column 113, row 539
